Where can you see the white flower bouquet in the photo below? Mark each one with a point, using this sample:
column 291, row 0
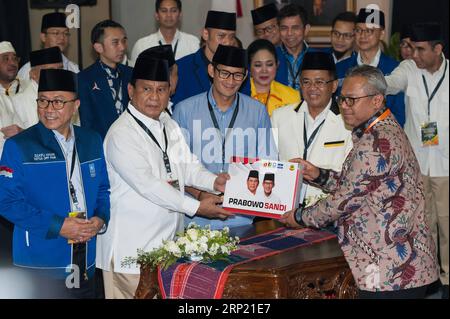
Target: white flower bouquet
column 195, row 244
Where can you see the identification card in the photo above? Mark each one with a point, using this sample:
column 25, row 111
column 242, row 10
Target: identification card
column 175, row 184
column 81, row 215
column 430, row 135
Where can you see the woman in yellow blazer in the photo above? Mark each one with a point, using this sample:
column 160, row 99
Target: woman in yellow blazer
column 263, row 62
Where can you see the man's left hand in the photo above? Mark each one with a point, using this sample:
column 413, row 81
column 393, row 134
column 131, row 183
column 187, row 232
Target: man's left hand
column 221, row 181
column 288, row 219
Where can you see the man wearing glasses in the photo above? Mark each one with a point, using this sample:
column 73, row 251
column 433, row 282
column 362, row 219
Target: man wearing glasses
column 343, row 36
column 369, row 33
column 314, row 130
column 54, row 32
column 54, row 188
column 265, row 23
column 377, row 199
column 222, row 123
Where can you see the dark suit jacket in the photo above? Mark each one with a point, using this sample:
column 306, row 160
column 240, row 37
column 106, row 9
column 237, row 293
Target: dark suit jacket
column 97, row 109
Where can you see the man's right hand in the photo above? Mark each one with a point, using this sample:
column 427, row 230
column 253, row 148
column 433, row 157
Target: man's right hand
column 310, row 172
column 78, row 230
column 209, row 209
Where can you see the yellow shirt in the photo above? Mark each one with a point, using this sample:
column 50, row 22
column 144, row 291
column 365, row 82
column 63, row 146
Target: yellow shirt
column 280, row 95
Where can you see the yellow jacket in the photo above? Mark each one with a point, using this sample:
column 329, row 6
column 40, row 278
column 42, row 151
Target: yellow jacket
column 280, row 95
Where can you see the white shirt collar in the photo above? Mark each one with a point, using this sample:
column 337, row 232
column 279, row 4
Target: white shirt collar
column 62, row 139
column 322, row 114
column 149, row 122
column 175, row 38
column 375, row 61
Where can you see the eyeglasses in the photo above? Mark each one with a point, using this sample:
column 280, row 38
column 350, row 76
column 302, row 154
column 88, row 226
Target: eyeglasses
column 350, row 101
column 346, row 36
column 56, row 34
column 237, row 76
column 12, row 58
column 369, row 32
column 268, row 30
column 57, row 104
column 307, row 83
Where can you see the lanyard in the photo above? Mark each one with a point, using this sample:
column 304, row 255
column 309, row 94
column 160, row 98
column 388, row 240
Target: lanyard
column 149, row 133
column 378, row 119
column 307, row 142
column 430, row 98
column 229, row 129
column 291, row 71
column 73, row 193
column 174, row 49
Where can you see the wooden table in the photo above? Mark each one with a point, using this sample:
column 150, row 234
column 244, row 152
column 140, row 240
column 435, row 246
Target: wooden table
column 316, row 271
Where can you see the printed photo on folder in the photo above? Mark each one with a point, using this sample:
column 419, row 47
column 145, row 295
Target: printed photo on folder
column 262, row 187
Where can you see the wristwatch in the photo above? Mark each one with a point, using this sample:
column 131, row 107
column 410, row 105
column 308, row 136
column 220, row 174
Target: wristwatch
column 298, row 215
column 102, row 230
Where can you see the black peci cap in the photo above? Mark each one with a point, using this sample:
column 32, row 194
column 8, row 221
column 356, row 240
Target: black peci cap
column 45, row 56
column 160, row 52
column 151, row 69
column 221, row 20
column 230, row 56
column 53, row 20
column 264, row 13
column 57, row 80
column 371, row 16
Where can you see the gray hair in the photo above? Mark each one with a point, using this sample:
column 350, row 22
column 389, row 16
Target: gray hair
column 376, row 83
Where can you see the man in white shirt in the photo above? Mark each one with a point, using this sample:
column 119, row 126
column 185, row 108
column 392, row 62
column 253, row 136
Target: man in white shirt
column 149, row 165
column 168, row 14
column 314, row 130
column 10, row 85
column 25, row 107
column 425, row 81
column 54, row 32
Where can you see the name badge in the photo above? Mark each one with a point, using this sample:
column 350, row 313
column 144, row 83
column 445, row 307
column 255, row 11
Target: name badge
column 430, row 136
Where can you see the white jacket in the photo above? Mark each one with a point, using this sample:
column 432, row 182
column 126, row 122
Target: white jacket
column 145, row 209
column 407, row 77
column 288, row 122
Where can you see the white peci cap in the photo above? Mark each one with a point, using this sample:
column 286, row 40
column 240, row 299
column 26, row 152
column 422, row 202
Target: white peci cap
column 6, row 47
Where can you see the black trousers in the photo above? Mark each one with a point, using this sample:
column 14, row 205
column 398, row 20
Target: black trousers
column 413, row 293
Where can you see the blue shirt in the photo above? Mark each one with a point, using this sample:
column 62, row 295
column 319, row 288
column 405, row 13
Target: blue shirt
column 250, row 137
column 294, row 65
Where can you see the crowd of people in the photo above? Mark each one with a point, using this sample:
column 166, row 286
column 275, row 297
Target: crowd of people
column 98, row 163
